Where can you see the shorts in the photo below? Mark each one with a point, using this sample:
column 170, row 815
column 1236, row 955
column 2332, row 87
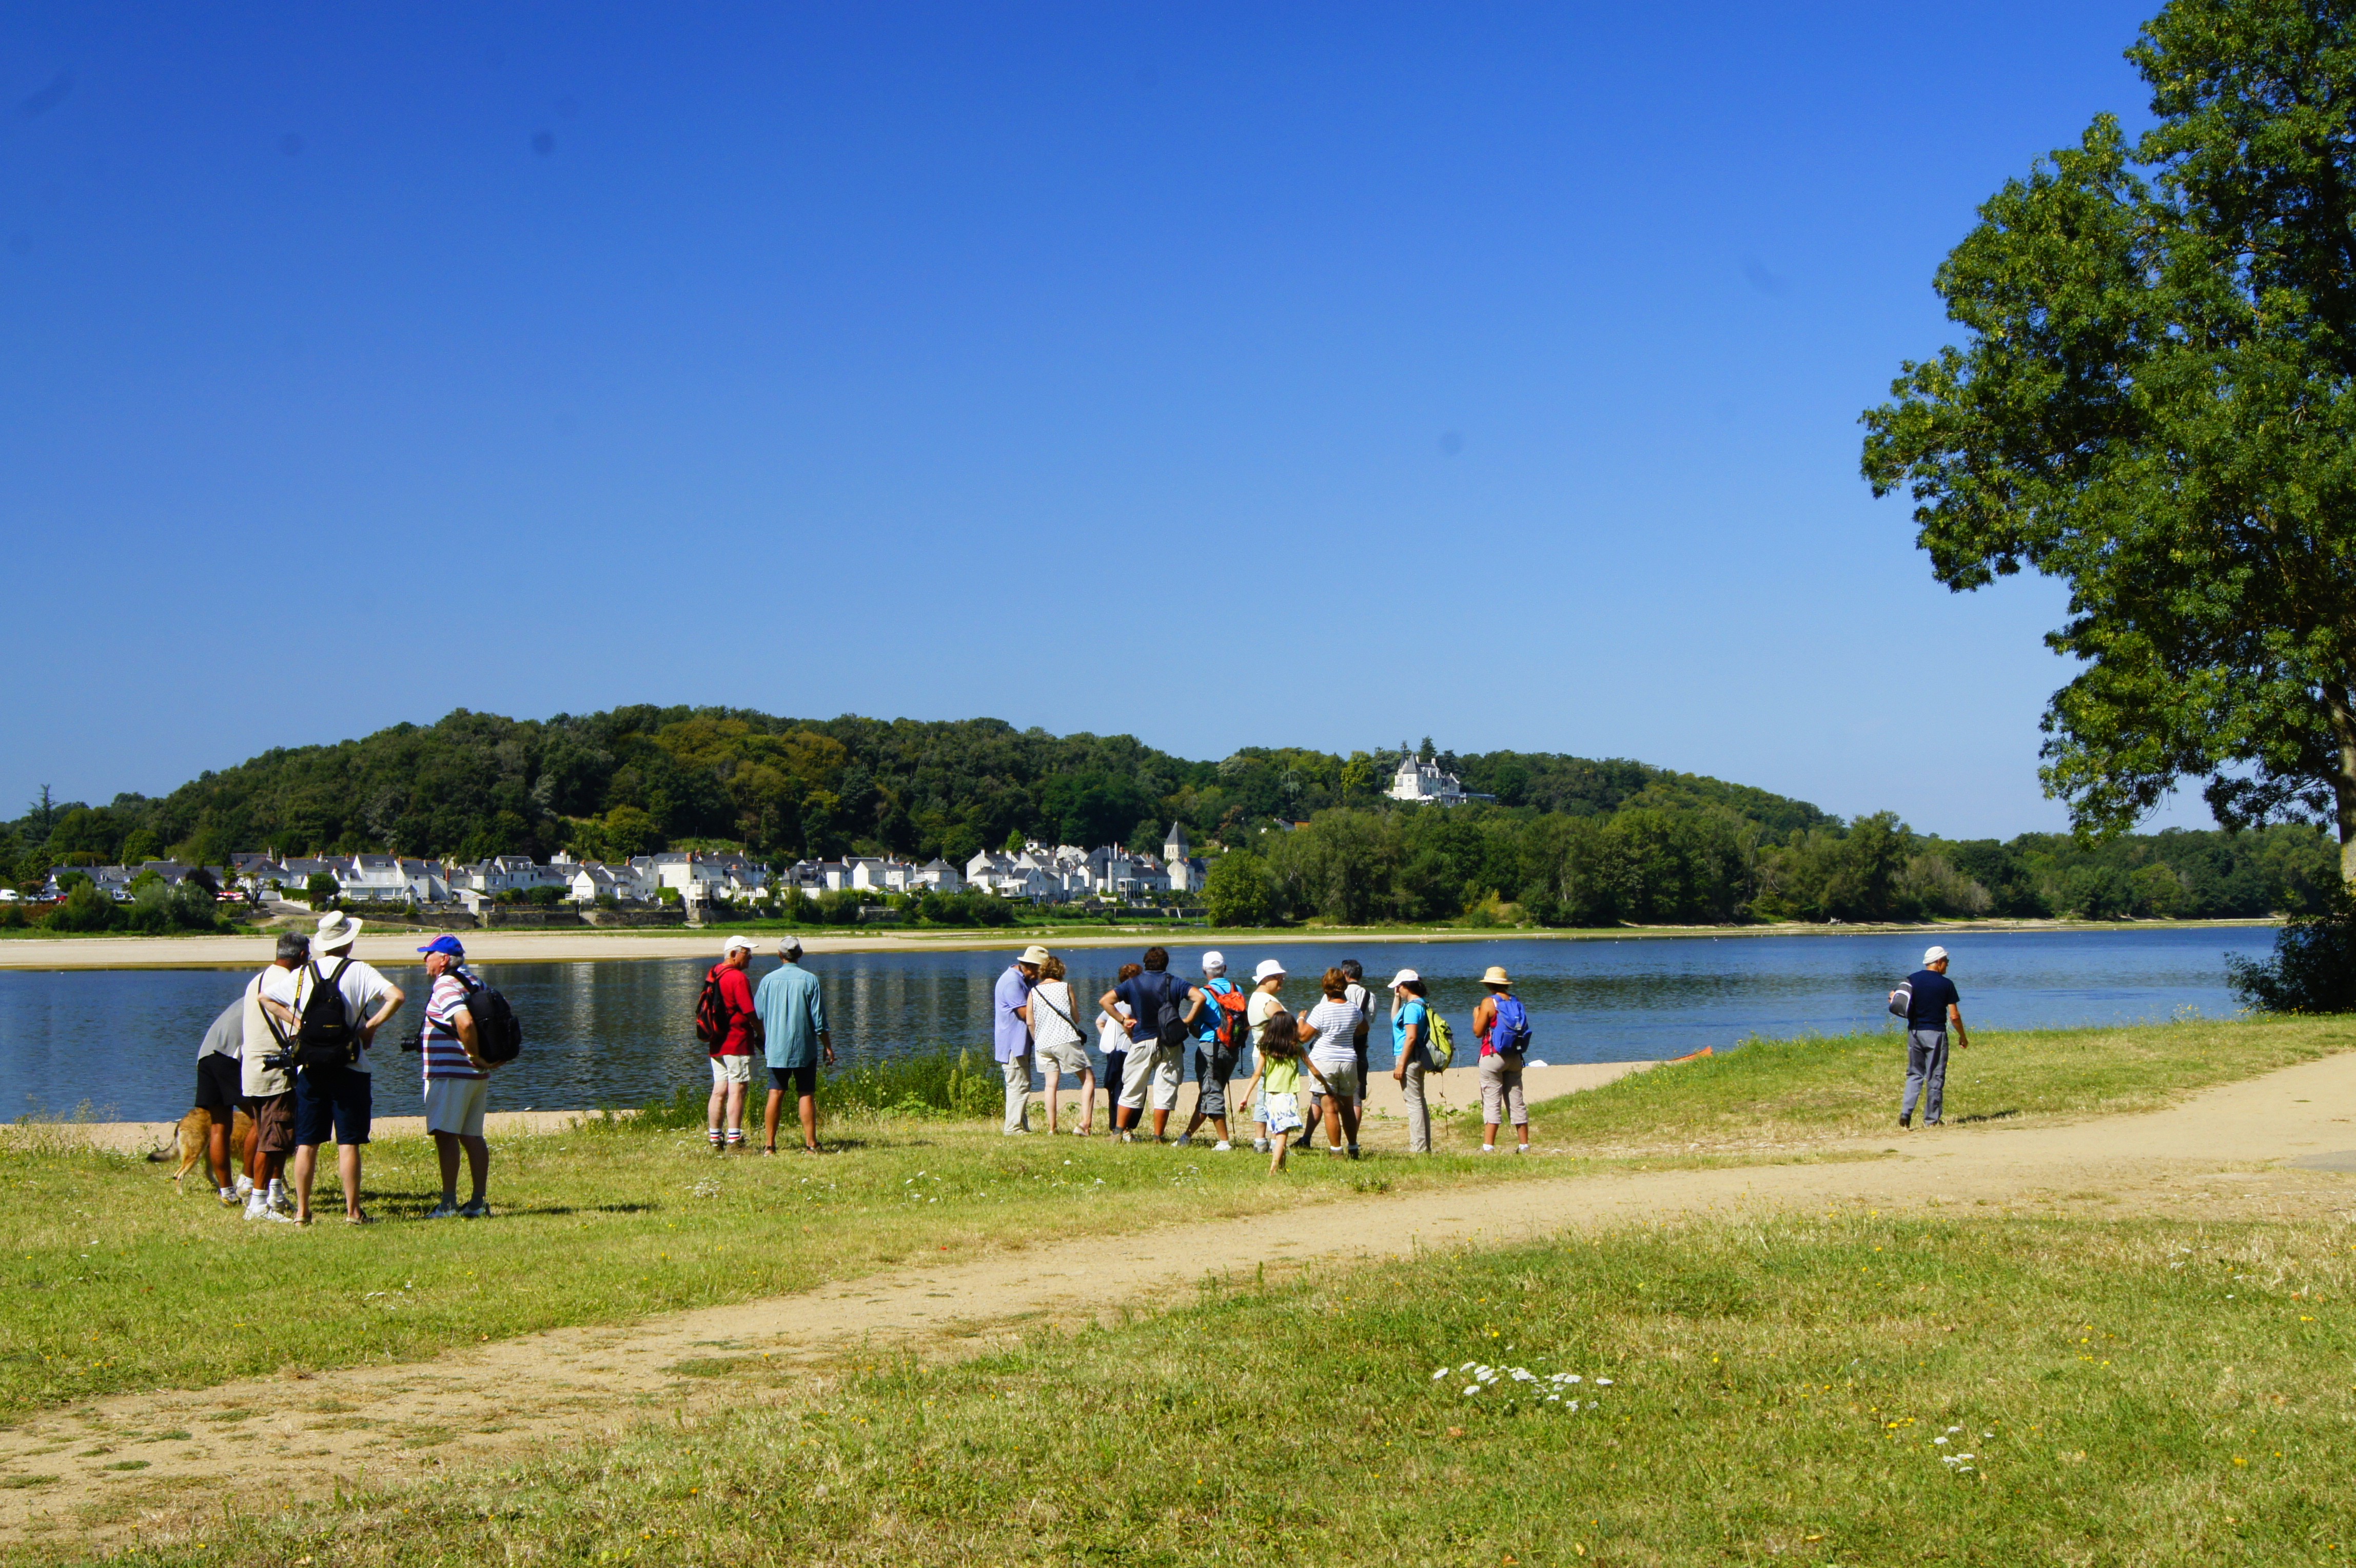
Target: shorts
column 1342, row 1082
column 1066, row 1056
column 221, row 1084
column 1157, row 1066
column 1213, row 1066
column 456, row 1105
column 1282, row 1113
column 332, row 1098
column 802, row 1080
column 732, row 1069
column 274, row 1123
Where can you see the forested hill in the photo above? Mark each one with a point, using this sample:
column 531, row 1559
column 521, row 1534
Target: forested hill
column 640, row 779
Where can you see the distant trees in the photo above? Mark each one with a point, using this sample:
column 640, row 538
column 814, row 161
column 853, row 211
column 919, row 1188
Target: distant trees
column 1239, row 891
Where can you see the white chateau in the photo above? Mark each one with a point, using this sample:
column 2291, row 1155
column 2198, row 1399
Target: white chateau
column 1424, row 783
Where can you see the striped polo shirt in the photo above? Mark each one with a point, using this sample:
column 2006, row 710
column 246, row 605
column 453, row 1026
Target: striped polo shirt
column 444, row 1057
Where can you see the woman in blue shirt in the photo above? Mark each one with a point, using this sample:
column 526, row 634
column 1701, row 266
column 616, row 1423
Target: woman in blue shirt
column 1410, row 1029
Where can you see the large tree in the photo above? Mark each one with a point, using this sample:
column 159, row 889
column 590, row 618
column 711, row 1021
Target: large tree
column 2155, row 403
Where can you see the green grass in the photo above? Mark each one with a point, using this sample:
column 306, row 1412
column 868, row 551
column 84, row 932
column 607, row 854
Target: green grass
column 2137, row 1392
column 104, row 1266
column 1786, row 1092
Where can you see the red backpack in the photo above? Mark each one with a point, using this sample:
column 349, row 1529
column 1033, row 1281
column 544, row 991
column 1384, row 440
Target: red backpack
column 1230, row 1028
column 711, row 1011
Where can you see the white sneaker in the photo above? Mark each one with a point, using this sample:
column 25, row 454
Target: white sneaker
column 256, row 1206
column 283, row 1218
column 1186, row 1141
column 1018, row 1132
column 1488, row 1148
column 1221, row 1147
column 228, row 1196
column 1521, row 1148
column 244, row 1185
column 1261, row 1145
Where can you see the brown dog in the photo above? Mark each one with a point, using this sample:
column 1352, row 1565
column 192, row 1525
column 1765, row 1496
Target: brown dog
column 195, row 1131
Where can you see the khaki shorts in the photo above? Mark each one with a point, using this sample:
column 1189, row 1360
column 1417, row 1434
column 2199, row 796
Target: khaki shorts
column 1068, row 1055
column 732, row 1069
column 1152, row 1067
column 456, row 1105
column 1342, row 1082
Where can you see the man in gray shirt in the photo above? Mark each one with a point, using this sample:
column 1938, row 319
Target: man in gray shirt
column 219, row 1066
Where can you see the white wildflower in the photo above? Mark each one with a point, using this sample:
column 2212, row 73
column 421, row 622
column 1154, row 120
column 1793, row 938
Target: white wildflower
column 1471, row 1388
column 1439, row 1374
column 1941, row 1441
column 1603, row 1382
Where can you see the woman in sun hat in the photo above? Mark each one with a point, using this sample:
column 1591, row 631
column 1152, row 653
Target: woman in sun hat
column 1503, row 1027
column 1265, row 1002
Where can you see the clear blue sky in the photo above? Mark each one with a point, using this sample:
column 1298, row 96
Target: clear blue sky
column 1224, row 375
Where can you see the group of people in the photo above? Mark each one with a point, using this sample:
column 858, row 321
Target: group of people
column 247, row 1062
column 1152, row 1026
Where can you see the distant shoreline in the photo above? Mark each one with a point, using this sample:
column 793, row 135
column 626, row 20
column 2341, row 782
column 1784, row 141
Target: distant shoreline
column 576, row 945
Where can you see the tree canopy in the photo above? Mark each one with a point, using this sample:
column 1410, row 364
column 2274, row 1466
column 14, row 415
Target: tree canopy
column 2153, row 404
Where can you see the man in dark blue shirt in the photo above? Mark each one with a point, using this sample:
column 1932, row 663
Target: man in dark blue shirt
column 1934, row 1003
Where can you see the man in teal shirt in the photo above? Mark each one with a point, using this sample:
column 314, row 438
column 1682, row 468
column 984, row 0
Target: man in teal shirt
column 793, row 1015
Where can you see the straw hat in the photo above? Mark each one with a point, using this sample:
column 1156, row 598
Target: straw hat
column 336, row 929
column 1496, row 976
column 1035, row 954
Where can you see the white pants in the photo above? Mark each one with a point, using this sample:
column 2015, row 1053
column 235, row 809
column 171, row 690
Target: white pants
column 1018, row 1093
column 1159, row 1067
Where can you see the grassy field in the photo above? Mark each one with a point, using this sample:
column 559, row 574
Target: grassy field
column 1845, row 1389
column 106, row 1267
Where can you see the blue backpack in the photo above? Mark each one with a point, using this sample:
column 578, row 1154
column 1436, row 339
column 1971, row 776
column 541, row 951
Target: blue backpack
column 1509, row 1035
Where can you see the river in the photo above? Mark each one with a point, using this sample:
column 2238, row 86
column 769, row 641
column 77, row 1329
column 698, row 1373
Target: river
column 620, row 1033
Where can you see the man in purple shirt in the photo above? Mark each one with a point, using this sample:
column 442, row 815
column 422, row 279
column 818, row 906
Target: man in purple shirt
column 1010, row 1016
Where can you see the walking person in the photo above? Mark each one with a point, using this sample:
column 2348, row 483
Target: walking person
column 338, row 1101
column 1162, row 1010
column 220, row 1088
column 1218, row 1047
column 1357, row 995
column 457, row 1081
column 1266, row 1001
column 1011, row 1018
column 1502, row 1027
column 1331, row 1032
column 1113, row 1044
column 1936, row 1003
column 1411, row 1054
column 793, row 1023
column 732, row 1053
column 269, row 1092
column 1060, row 1044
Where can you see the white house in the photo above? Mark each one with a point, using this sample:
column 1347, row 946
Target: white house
column 371, row 879
column 1424, row 783
column 937, row 876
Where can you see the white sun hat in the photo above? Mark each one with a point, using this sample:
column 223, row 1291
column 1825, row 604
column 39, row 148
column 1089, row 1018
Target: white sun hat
column 1268, row 966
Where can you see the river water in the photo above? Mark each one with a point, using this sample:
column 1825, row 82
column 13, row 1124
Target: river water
column 621, row 1032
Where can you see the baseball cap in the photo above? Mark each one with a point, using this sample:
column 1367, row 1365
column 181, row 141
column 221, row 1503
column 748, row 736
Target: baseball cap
column 1405, row 977
column 445, row 943
column 789, row 944
column 1932, row 955
column 1214, row 963
column 1268, row 966
column 739, row 940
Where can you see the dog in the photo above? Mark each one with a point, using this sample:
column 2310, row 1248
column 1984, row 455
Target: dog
column 195, row 1133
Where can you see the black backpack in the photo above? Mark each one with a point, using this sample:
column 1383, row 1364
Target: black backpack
column 712, row 1011
column 1169, row 1029
column 1902, row 1000
column 498, row 1036
column 326, row 1037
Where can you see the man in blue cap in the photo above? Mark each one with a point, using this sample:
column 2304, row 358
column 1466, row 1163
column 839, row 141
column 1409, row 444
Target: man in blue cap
column 457, row 1079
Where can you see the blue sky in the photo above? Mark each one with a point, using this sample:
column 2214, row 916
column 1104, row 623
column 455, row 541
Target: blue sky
column 1224, row 375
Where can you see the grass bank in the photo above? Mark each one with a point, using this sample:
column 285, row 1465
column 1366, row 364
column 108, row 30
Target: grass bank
column 107, row 1270
column 1780, row 1094
column 1848, row 1389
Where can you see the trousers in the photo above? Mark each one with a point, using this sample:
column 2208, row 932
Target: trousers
column 1018, row 1093
column 1926, row 1074
column 1418, row 1111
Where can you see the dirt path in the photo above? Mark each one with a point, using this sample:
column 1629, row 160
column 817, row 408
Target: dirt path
column 2276, row 1144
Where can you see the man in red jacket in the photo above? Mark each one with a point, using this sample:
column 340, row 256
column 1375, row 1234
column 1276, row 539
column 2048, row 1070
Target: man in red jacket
column 732, row 1058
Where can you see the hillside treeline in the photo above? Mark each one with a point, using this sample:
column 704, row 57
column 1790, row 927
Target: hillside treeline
column 1569, row 840
column 641, row 779
column 1652, row 866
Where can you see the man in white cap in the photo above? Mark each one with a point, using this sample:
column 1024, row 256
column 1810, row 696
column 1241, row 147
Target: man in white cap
column 1010, row 1015
column 732, row 1053
column 1936, row 1003
column 338, row 1099
column 1219, row 1031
